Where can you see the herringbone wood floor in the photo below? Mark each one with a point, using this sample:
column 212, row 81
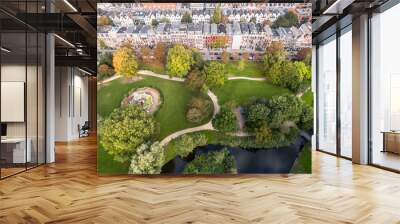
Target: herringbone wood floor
column 70, row 191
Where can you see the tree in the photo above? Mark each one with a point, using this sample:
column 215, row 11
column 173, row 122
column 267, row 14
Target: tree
column 284, row 108
column 106, row 58
column 253, row 20
column 104, row 21
column 263, row 133
column 198, row 60
column 148, row 159
column 256, row 114
column 165, row 20
column 225, row 120
column 125, row 130
column 217, row 15
column 154, row 22
column 124, row 62
column 306, row 118
column 126, row 44
column 245, row 57
column 198, row 109
column 304, row 55
column 194, row 80
column 241, row 64
column 185, row 144
column 145, row 54
column 186, row 18
column 215, row 74
column 160, row 51
column 219, row 162
column 103, row 44
column 287, row 20
column 179, row 61
column 104, row 71
column 225, row 56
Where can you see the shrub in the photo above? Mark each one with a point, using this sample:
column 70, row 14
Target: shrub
column 125, row 130
column 185, row 144
column 104, row 71
column 198, row 109
column 148, row 159
column 194, row 80
column 220, row 162
column 225, row 120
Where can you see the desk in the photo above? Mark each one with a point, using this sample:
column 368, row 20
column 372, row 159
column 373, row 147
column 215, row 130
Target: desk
column 18, row 150
column 391, row 141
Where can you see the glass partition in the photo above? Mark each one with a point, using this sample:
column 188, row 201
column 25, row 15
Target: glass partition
column 22, row 90
column 385, row 89
column 327, row 96
column 346, row 92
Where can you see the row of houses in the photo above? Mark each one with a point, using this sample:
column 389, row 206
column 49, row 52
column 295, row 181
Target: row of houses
column 261, row 15
column 249, row 37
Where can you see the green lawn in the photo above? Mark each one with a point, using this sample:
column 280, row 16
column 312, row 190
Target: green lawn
column 172, row 114
column 154, row 67
column 106, row 163
column 241, row 91
column 304, row 161
column 308, row 97
column 251, row 69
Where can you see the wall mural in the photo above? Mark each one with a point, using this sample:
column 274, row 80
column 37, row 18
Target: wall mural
column 204, row 88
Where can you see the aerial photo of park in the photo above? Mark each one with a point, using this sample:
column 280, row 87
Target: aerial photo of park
column 204, row 88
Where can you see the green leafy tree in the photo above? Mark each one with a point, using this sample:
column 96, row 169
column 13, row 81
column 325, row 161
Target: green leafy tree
column 225, row 120
column 179, row 61
column 219, row 162
column 306, row 118
column 186, row 18
column 185, row 144
column 241, row 64
column 253, row 20
column 198, row 60
column 263, row 133
column 287, row 20
column 148, row 159
column 217, row 15
column 215, row 74
column 103, row 44
column 256, row 114
column 125, row 62
column 154, row 22
column 106, row 58
column 125, row 130
column 284, row 108
column 165, row 20
column 198, row 109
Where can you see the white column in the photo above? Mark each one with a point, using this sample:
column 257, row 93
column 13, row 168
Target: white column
column 50, row 100
column 360, row 90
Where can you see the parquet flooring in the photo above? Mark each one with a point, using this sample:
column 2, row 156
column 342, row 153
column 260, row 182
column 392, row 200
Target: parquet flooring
column 70, row 191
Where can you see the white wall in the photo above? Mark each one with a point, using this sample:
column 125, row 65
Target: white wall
column 71, row 94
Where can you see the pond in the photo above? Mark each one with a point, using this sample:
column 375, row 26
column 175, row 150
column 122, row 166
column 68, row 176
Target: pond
column 275, row 160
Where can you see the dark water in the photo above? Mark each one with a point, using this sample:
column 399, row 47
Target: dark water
column 276, row 160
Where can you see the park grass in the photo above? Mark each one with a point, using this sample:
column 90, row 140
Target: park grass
column 107, row 164
column 154, row 67
column 241, row 91
column 303, row 163
column 308, row 97
column 251, row 69
column 172, row 113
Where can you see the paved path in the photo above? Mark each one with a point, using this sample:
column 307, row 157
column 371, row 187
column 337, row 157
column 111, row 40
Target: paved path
column 213, row 97
column 246, row 78
column 112, row 78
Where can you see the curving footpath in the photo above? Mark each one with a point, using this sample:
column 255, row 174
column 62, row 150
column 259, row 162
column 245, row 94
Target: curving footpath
column 213, row 97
